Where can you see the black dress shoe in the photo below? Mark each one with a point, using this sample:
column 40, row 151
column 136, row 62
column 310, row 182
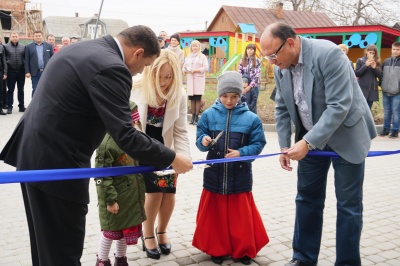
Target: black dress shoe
column 165, row 248
column 2, row 112
column 151, row 253
column 217, row 260
column 246, row 260
column 295, row 262
column 22, row 109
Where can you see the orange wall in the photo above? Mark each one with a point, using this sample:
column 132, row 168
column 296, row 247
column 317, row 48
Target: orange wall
column 355, row 53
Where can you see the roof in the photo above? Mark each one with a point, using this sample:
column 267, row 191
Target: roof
column 262, row 17
column 69, row 26
column 247, row 28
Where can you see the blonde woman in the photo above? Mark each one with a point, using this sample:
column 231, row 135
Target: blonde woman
column 345, row 50
column 195, row 68
column 162, row 104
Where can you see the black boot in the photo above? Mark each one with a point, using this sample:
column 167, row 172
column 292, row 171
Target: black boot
column 192, row 121
column 121, row 261
column 196, row 119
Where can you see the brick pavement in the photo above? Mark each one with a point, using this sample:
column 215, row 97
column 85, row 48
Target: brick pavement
column 274, row 191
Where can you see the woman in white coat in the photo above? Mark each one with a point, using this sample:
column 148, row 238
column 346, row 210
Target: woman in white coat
column 195, row 68
column 162, row 105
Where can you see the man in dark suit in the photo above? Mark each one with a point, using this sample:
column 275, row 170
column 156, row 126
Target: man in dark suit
column 37, row 55
column 318, row 92
column 63, row 125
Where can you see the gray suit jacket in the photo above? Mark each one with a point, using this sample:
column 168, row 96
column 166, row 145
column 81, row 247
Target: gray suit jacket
column 340, row 114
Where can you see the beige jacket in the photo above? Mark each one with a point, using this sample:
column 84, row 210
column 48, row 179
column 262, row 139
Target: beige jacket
column 174, row 132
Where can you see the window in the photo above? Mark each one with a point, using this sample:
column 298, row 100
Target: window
column 92, row 29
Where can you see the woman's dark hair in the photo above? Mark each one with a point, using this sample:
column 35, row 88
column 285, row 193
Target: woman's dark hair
column 373, row 48
column 245, row 57
column 175, row 36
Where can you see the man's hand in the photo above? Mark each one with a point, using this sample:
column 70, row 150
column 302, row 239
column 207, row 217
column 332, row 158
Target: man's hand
column 298, row 151
column 285, row 160
column 181, row 164
column 28, row 75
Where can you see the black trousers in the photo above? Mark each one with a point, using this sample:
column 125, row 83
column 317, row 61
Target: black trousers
column 4, row 103
column 12, row 79
column 56, row 228
column 3, row 90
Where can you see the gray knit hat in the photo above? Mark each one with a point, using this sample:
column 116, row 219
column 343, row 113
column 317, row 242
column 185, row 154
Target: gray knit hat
column 230, row 81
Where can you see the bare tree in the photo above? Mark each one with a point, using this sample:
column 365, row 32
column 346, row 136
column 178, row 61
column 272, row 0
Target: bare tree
column 296, row 5
column 348, row 12
column 363, row 12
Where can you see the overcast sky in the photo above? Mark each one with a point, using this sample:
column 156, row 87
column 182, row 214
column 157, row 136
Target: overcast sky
column 169, row 15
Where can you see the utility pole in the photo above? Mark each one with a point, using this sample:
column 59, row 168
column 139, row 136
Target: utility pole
column 98, row 18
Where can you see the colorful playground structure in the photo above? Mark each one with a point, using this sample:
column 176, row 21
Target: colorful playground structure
column 225, row 49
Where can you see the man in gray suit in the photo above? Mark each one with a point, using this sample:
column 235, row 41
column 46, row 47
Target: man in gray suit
column 318, row 92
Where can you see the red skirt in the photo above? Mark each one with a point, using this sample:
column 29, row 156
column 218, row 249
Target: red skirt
column 229, row 225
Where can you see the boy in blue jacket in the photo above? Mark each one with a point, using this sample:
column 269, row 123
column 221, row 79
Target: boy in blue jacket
column 228, row 222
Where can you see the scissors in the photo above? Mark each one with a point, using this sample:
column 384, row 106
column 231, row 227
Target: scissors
column 214, row 141
column 172, row 171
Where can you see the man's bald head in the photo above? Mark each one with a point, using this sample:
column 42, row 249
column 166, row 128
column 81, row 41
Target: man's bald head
column 279, row 30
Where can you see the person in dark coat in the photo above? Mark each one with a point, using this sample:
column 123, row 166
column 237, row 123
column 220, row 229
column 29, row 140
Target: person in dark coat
column 369, row 72
column 3, row 75
column 63, row 125
column 15, row 52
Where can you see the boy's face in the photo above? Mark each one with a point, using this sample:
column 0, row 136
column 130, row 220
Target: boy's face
column 245, row 84
column 395, row 51
column 229, row 100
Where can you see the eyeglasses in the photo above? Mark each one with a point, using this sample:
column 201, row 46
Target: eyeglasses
column 274, row 55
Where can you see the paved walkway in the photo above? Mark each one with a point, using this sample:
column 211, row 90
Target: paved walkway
column 274, row 191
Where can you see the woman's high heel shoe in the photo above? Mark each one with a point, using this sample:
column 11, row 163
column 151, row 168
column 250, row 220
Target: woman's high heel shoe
column 165, row 248
column 151, row 253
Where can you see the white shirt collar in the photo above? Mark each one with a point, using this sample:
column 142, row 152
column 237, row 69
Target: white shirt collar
column 120, row 48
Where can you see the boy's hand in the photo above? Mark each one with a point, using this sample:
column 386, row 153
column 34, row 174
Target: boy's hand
column 206, row 141
column 113, row 208
column 232, row 153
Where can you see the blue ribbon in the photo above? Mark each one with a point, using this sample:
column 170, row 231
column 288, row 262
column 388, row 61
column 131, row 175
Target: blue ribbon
column 79, row 173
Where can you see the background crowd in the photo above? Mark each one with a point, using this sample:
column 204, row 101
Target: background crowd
column 151, row 130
